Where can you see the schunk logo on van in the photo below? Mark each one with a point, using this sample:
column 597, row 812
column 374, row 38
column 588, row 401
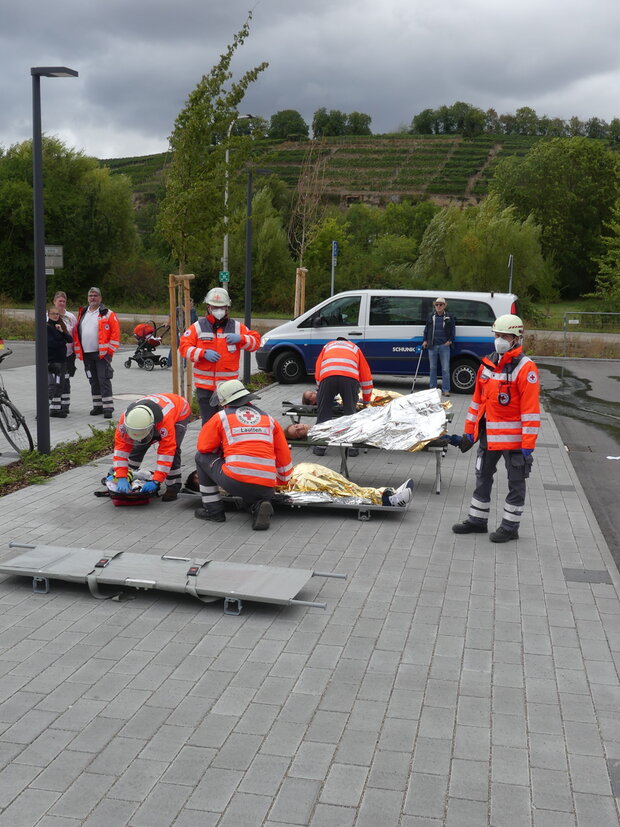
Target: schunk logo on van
column 403, row 350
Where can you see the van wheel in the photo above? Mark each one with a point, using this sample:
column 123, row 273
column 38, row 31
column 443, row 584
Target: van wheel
column 288, row 368
column 463, row 376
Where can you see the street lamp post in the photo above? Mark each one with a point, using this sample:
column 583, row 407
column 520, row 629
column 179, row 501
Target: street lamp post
column 226, row 161
column 43, row 421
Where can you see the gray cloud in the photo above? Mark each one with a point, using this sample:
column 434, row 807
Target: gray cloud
column 138, row 61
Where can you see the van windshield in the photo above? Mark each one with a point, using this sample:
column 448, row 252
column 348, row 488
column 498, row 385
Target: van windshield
column 342, row 312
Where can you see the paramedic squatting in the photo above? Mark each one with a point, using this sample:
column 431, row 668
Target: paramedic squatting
column 162, row 419
column 213, row 344
column 504, row 417
column 243, row 450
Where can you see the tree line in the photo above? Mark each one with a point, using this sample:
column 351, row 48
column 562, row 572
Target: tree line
column 556, row 210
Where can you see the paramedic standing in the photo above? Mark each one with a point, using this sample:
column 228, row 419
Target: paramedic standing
column 160, row 419
column 438, row 337
column 341, row 368
column 504, row 415
column 60, row 303
column 96, row 337
column 243, row 450
column 213, row 344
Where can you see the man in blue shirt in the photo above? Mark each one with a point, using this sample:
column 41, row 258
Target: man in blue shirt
column 438, row 336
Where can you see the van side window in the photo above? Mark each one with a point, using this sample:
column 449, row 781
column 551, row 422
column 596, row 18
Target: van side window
column 468, row 312
column 396, row 310
column 343, row 312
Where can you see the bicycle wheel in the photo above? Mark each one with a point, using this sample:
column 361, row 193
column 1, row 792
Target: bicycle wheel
column 13, row 426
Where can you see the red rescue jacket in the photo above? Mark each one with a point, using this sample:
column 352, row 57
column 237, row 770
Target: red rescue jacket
column 168, row 409
column 109, row 330
column 342, row 358
column 206, row 334
column 253, row 443
column 507, row 396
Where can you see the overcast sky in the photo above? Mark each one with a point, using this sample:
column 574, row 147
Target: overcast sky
column 139, row 59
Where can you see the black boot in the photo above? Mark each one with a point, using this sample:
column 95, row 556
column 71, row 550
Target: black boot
column 213, row 516
column 96, row 411
column 502, row 535
column 467, row 527
column 261, row 515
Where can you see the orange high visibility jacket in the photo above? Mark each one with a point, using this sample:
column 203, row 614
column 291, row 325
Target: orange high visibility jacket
column 201, row 336
column 109, row 332
column 168, row 409
column 507, row 396
column 342, row 358
column 253, row 443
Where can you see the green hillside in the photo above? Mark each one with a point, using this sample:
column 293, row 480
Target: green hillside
column 374, row 169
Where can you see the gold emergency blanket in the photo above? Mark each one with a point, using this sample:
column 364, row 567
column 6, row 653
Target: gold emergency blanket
column 406, row 424
column 316, row 483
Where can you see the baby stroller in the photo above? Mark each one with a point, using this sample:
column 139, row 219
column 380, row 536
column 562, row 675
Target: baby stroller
column 149, row 337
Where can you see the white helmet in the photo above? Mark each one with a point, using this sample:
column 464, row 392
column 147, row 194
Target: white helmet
column 233, row 392
column 508, row 324
column 139, row 423
column 217, row 297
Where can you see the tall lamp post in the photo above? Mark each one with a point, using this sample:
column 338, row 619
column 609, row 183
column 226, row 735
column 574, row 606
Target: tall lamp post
column 226, row 162
column 40, row 325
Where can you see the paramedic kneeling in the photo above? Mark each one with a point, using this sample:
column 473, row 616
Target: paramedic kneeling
column 504, row 415
column 243, row 450
column 161, row 418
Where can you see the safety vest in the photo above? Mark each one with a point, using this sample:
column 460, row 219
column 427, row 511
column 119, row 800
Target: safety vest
column 168, row 409
column 108, row 329
column 507, row 396
column 201, row 336
column 253, row 443
column 342, row 358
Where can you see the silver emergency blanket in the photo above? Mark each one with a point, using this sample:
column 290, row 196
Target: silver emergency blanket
column 406, row 424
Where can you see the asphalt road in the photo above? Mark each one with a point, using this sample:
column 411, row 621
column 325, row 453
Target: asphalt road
column 584, row 397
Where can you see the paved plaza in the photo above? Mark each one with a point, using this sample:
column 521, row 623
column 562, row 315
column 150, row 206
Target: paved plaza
column 449, row 681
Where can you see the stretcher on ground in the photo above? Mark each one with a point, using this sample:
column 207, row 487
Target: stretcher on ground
column 206, row 580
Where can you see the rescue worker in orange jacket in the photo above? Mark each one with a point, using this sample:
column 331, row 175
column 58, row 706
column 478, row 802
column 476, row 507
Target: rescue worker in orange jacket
column 161, row 419
column 504, row 416
column 341, row 368
column 214, row 344
column 243, row 450
column 96, row 337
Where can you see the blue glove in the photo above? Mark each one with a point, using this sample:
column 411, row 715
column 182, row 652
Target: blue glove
column 470, row 437
column 122, row 486
column 150, row 487
column 211, row 355
column 233, row 338
column 527, row 452
column 454, row 439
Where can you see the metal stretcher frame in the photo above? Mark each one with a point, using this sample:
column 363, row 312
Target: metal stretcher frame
column 206, row 580
column 439, row 453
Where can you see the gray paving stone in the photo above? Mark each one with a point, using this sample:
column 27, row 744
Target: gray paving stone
column 28, row 808
column 464, row 813
column 110, row 811
column 469, row 779
column 389, row 770
column 426, row 795
column 161, row 806
column 295, row 801
column 379, row 807
column 83, row 795
column 596, row 810
column 344, row 785
column 326, row 815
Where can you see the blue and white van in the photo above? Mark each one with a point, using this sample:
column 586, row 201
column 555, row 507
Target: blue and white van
column 388, row 326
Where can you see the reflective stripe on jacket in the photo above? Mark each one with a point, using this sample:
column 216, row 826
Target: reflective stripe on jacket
column 507, row 396
column 168, row 409
column 108, row 329
column 342, row 358
column 253, row 443
column 202, row 336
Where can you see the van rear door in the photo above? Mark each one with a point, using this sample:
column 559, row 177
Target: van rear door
column 393, row 335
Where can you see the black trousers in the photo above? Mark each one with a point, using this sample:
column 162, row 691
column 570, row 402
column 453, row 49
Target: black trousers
column 329, row 388
column 211, row 478
column 100, row 373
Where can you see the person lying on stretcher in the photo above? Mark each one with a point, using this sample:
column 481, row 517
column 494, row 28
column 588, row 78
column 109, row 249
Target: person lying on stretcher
column 311, row 479
column 377, row 397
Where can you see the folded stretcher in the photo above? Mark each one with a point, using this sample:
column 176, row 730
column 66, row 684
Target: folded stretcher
column 207, row 580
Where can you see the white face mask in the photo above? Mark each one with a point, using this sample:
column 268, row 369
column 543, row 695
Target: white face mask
column 219, row 312
column 502, row 345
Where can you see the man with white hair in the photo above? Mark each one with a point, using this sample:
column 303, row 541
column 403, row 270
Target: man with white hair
column 213, row 344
